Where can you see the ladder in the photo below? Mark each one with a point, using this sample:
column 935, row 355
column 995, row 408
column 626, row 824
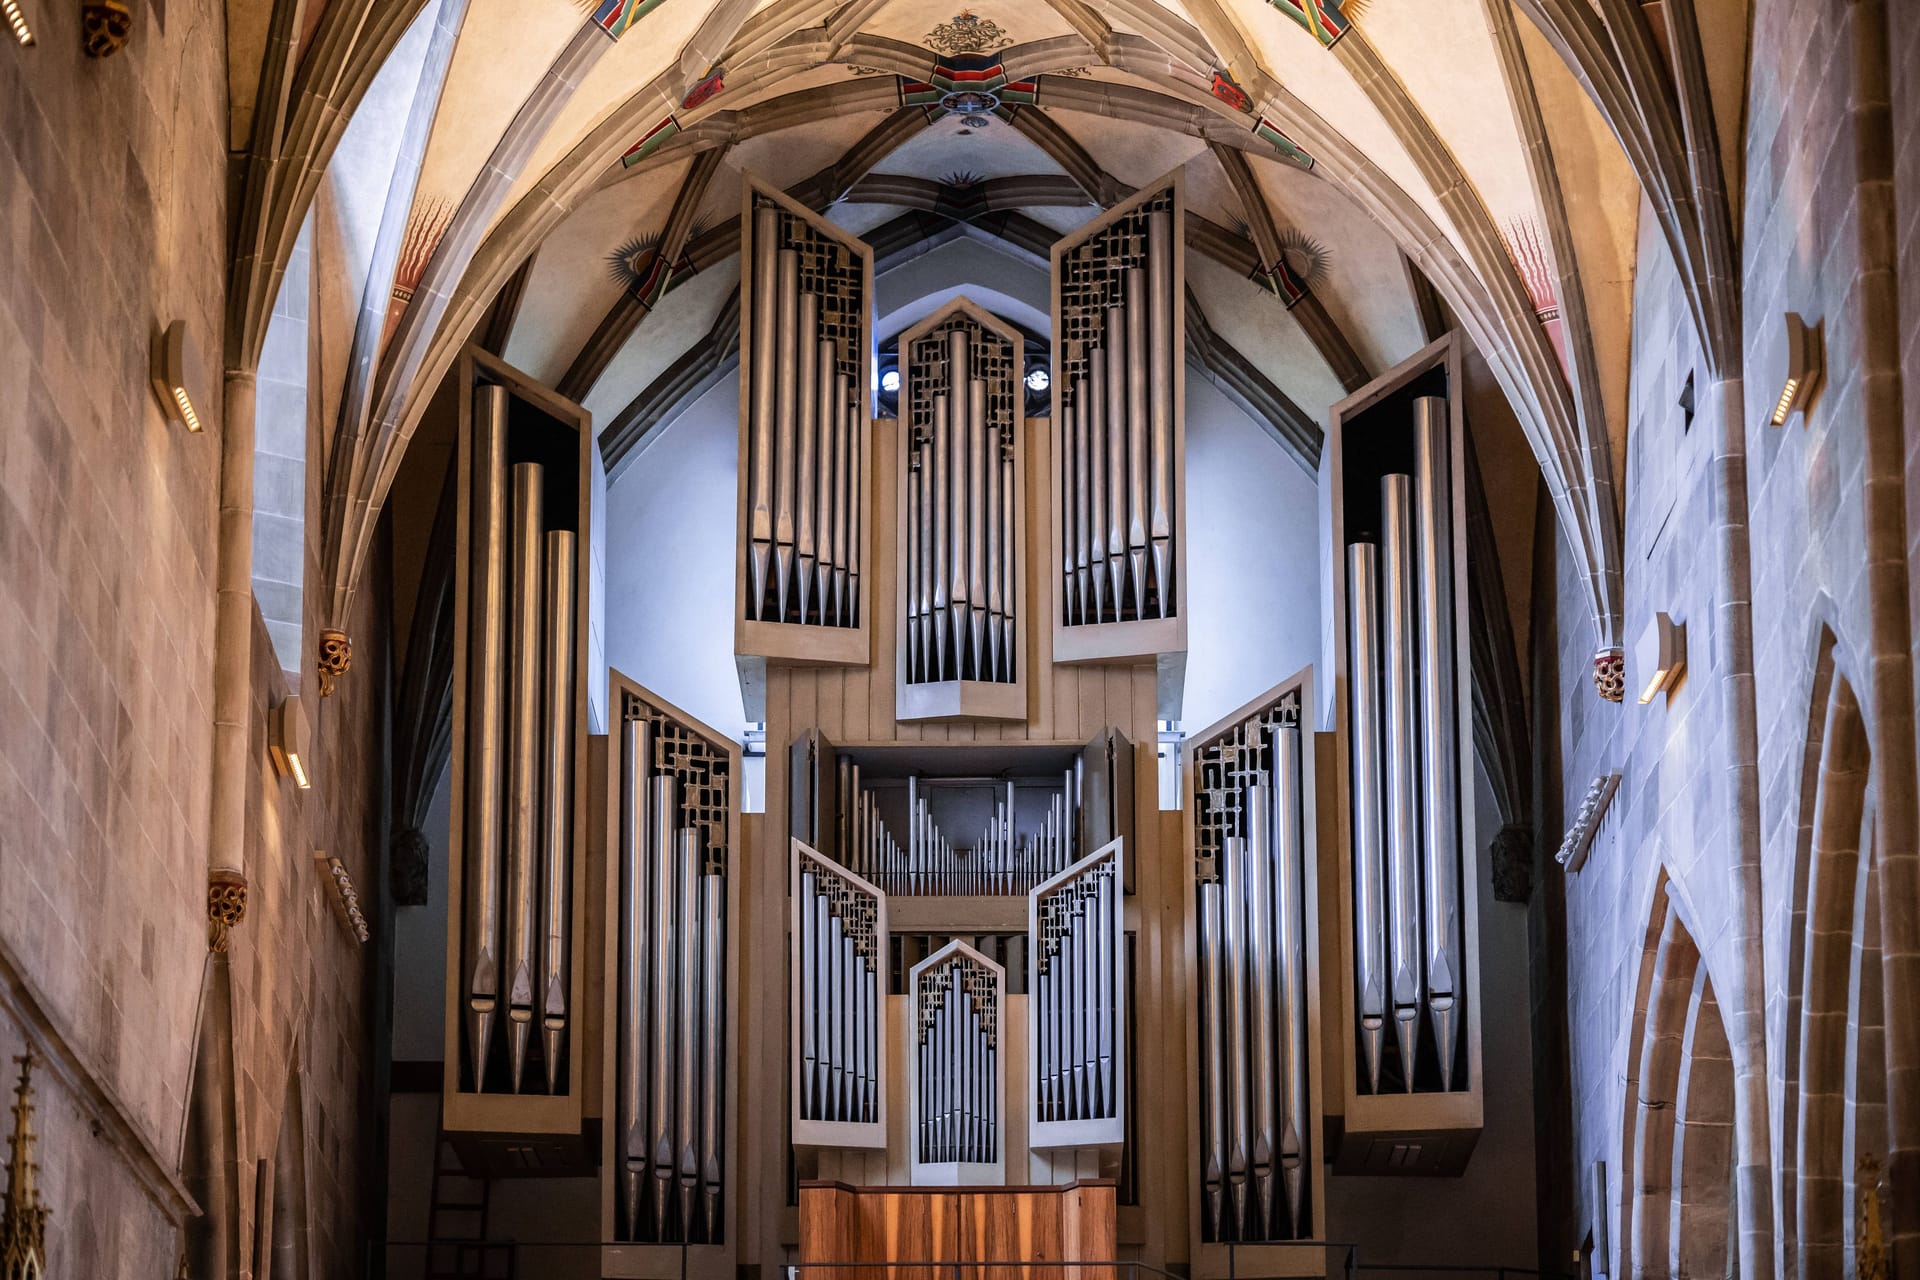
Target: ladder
column 457, row 1244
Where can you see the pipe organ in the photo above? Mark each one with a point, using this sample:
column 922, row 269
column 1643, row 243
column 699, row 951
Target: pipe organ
column 1077, row 1005
column 985, row 952
column 1410, row 963
column 519, row 737
column 673, row 813
column 839, row 948
column 806, row 358
column 1250, row 829
column 958, row 1089
column 961, row 519
column 1119, row 338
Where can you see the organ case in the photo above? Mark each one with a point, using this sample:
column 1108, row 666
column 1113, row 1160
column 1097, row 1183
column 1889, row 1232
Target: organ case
column 1407, row 1046
column 803, row 582
column 957, row 1091
column 671, row 991
column 516, row 902
column 1253, row 1041
column 1116, row 566
column 838, row 954
column 960, row 532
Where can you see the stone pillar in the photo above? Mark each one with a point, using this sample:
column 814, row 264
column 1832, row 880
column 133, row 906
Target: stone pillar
column 233, row 637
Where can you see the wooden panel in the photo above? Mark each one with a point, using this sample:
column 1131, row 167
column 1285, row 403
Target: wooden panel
column 1071, row 1223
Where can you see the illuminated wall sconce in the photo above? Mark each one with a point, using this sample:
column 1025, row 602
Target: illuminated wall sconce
column 17, row 21
column 1800, row 358
column 172, row 355
column 288, row 739
column 1661, row 656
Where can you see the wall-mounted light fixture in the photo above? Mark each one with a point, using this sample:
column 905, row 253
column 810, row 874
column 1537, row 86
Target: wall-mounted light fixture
column 17, row 20
column 172, row 357
column 1660, row 658
column 287, row 740
column 1799, row 360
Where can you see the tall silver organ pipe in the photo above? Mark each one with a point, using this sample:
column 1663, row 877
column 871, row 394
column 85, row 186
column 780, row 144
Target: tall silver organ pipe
column 1254, row 1071
column 523, row 757
column 766, row 247
column 1119, row 334
column 485, row 775
column 671, row 1010
column 1076, row 1005
column 635, row 950
column 958, row 1067
column 1439, row 764
column 803, row 405
column 1286, row 856
column 556, row 850
column 1403, row 726
column 1369, row 840
column 1402, row 767
column 960, row 380
column 838, row 957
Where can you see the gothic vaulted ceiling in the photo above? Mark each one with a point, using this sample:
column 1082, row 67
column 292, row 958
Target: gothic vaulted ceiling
column 565, row 176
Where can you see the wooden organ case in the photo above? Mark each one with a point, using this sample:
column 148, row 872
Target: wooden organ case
column 1250, row 819
column 803, row 580
column 1405, row 1048
column 670, row 1096
column 1117, row 569
column 518, row 1055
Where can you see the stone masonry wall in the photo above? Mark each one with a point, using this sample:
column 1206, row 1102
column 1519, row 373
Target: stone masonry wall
column 113, row 195
column 1806, row 486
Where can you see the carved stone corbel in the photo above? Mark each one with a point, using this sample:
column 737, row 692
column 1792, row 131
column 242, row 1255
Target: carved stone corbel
column 334, row 658
column 1610, row 674
column 226, row 906
column 105, row 26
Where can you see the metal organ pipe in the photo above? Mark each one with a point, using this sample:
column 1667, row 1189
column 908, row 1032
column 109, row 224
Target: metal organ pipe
column 1439, row 778
column 523, row 755
column 1160, row 346
column 1258, row 849
column 687, row 1082
column 807, row 423
column 635, row 925
column 1138, row 306
column 766, row 235
column 1115, row 437
column 486, row 725
column 1213, row 1147
column 666, row 1017
column 1288, row 858
column 556, row 853
column 1369, row 842
column 1402, row 768
column 786, row 301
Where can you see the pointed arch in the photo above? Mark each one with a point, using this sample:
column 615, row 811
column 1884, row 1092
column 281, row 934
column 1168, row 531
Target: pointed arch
column 1678, row 1215
column 1835, row 1066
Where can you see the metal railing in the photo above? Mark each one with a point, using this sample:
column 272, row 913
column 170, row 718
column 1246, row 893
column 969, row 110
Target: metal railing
column 1342, row 1260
